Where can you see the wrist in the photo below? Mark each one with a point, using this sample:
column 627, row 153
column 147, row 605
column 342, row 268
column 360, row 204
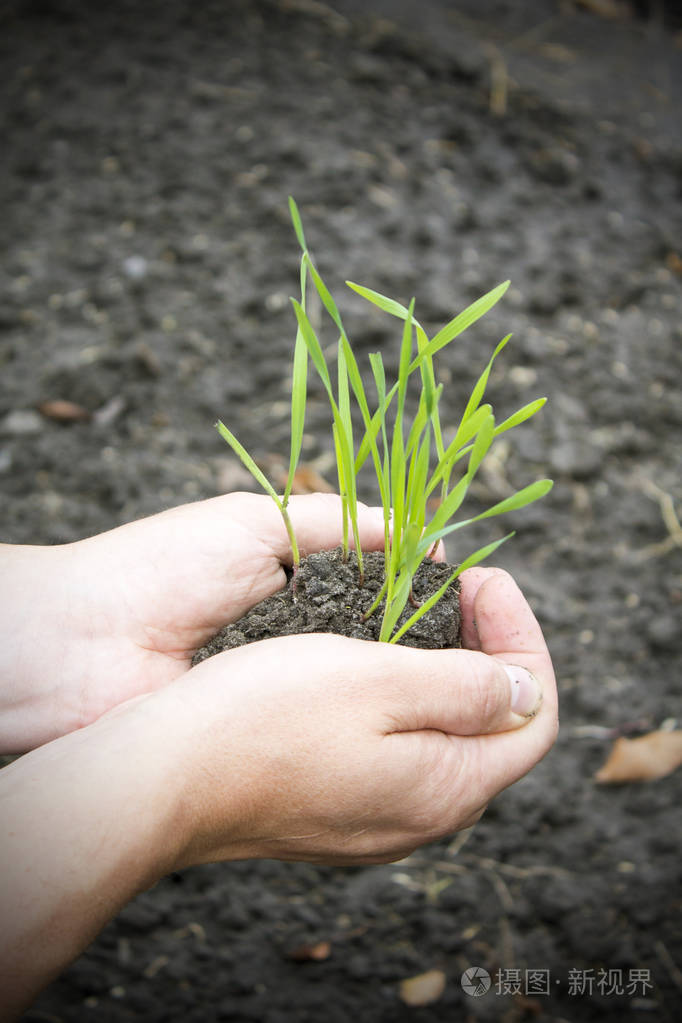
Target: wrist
column 89, row 821
column 35, row 593
column 217, row 789
column 139, row 752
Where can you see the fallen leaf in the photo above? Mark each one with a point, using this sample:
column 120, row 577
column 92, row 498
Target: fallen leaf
column 423, row 989
column 605, row 8
column 63, row 411
column 308, row 481
column 557, row 52
column 647, row 758
column 317, row 952
column 674, row 263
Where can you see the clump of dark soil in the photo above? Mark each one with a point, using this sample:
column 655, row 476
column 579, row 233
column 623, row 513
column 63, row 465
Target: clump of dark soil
column 325, row 595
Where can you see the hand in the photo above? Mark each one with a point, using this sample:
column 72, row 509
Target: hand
column 309, row 747
column 335, row 750
column 122, row 613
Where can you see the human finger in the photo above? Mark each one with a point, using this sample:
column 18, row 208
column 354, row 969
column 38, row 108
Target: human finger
column 470, row 583
column 458, row 692
column 507, row 630
column 501, row 623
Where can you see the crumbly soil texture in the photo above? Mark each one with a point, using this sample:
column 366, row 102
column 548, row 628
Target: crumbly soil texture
column 327, row 595
column 434, row 149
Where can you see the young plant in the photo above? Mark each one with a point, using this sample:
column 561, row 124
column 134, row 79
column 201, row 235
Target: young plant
column 299, row 384
column 410, row 458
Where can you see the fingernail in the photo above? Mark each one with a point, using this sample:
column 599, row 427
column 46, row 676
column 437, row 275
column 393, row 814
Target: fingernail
column 526, row 695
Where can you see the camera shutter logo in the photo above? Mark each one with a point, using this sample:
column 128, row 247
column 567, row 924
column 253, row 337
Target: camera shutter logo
column 475, row 981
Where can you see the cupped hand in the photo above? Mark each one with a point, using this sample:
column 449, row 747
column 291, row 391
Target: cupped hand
column 121, row 613
column 340, row 751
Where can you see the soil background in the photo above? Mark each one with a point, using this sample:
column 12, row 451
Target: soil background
column 434, row 150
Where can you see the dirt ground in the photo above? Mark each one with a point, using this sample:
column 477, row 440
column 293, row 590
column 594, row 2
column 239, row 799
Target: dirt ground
column 435, row 150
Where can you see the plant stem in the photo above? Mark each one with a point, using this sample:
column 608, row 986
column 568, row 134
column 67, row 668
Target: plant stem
column 295, row 554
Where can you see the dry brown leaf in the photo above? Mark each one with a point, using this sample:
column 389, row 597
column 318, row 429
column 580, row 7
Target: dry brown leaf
column 307, row 480
column 64, row 411
column 558, row 53
column 423, row 989
column 646, row 758
column 674, row 263
column 316, row 952
column 605, row 8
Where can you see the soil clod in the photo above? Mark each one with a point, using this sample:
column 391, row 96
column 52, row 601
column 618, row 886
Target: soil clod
column 329, row 598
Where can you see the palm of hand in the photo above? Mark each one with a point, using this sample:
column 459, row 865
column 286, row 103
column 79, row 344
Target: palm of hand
column 139, row 600
column 153, row 591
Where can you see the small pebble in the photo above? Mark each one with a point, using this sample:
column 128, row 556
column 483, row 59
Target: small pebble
column 135, row 267
column 21, row 422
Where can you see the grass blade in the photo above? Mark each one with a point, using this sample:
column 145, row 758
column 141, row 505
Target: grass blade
column 325, row 295
column 520, row 499
column 446, row 510
column 299, row 386
column 473, row 559
column 345, row 429
column 298, row 402
column 248, row 461
column 388, row 305
column 296, row 221
column 428, row 377
column 461, row 322
column 260, row 478
column 523, row 497
column 455, row 449
column 417, row 485
column 521, row 416
column 395, row 607
column 313, row 346
column 405, row 357
column 480, row 385
column 484, row 439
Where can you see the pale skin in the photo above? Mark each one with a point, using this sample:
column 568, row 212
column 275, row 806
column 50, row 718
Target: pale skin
column 313, row 748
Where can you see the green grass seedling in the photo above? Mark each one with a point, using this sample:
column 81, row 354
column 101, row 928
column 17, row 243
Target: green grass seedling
column 299, row 384
column 410, row 458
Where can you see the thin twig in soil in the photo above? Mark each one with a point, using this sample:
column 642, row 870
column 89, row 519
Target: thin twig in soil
column 485, row 863
column 670, row 521
column 669, row 963
column 506, row 955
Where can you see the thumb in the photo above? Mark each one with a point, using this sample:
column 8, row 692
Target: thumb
column 463, row 692
column 503, row 680
column 497, row 620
